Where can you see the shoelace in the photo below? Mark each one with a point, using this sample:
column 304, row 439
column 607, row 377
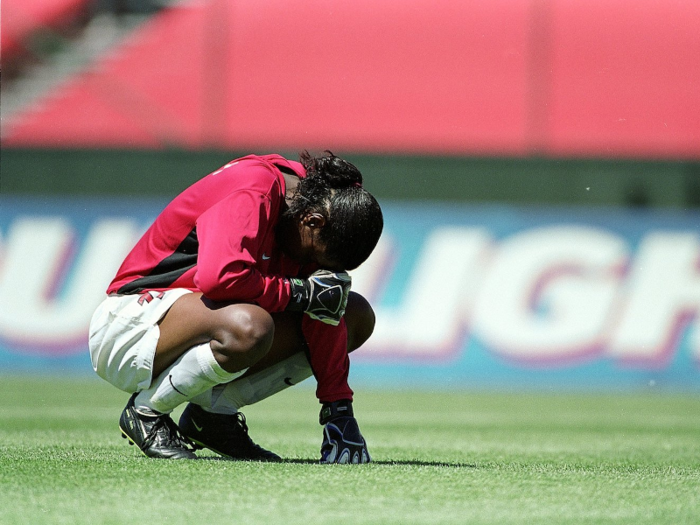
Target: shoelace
column 242, row 422
column 239, row 434
column 173, row 435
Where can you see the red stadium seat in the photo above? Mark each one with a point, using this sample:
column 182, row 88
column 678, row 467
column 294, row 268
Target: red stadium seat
column 504, row 77
column 22, row 21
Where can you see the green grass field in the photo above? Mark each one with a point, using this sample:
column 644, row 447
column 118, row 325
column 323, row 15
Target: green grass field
column 438, row 458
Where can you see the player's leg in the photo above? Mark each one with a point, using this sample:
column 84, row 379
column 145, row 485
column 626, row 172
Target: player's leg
column 239, row 334
column 202, row 344
column 190, row 346
column 286, row 363
column 289, row 340
column 213, row 420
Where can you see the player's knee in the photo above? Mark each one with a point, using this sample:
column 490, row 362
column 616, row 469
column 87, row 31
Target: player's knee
column 247, row 335
column 360, row 320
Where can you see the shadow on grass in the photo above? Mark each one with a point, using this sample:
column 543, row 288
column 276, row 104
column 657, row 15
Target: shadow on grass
column 397, row 463
column 389, row 463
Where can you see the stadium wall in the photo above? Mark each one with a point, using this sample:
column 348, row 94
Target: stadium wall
column 520, row 180
column 498, row 296
column 554, row 78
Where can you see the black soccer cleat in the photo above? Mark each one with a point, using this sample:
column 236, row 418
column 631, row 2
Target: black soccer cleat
column 225, row 434
column 157, row 436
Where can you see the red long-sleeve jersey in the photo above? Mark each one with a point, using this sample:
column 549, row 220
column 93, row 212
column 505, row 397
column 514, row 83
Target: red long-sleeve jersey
column 218, row 237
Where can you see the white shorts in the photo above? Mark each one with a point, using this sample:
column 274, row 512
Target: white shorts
column 124, row 333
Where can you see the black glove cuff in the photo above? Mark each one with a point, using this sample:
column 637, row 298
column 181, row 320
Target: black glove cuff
column 334, row 410
column 300, row 290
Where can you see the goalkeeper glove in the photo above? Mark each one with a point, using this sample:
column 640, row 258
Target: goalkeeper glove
column 342, row 440
column 323, row 296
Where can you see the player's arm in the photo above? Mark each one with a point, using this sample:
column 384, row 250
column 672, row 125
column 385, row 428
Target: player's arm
column 328, row 355
column 230, row 235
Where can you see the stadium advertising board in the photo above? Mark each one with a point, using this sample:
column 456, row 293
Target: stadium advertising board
column 466, row 296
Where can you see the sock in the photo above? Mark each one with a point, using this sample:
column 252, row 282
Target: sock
column 196, row 371
column 229, row 398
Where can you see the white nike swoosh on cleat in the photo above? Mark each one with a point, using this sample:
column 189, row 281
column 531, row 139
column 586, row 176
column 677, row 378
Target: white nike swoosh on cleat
column 199, row 429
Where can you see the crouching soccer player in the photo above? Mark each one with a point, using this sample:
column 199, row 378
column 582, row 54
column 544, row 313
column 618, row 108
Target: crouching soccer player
column 236, row 291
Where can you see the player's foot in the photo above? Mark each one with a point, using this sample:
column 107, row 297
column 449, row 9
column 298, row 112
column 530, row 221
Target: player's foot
column 225, row 434
column 156, row 435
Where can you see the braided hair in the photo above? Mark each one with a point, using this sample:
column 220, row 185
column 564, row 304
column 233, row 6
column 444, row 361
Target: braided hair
column 333, row 188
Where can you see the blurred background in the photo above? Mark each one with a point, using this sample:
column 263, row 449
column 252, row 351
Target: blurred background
column 538, row 162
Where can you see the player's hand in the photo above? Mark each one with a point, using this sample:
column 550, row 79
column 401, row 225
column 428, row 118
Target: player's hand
column 323, row 296
column 329, row 296
column 343, row 443
column 342, row 440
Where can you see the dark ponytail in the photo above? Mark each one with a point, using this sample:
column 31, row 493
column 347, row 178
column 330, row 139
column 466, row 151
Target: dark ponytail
column 354, row 221
column 335, row 172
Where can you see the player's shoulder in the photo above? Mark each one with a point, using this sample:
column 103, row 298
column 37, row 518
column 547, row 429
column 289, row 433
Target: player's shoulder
column 254, row 172
column 285, row 165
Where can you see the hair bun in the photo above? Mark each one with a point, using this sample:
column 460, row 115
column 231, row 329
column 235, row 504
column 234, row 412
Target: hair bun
column 338, row 172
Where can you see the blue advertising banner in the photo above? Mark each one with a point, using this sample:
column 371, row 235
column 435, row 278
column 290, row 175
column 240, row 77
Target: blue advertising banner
column 466, row 296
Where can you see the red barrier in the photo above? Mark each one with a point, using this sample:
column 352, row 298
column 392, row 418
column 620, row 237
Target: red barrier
column 505, row 77
column 625, row 78
column 24, row 19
